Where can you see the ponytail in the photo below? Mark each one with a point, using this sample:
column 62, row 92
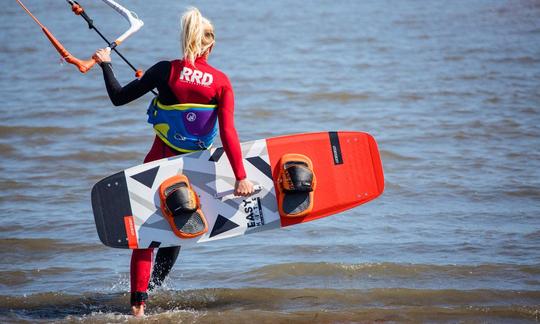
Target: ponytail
column 197, row 34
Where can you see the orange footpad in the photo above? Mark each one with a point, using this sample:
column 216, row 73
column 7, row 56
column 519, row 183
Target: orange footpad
column 296, row 184
column 181, row 207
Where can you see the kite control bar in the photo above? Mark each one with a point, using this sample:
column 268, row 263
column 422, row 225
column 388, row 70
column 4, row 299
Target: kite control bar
column 85, row 65
column 134, row 22
column 134, row 25
column 82, row 65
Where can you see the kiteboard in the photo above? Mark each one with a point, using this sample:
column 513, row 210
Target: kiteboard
column 127, row 205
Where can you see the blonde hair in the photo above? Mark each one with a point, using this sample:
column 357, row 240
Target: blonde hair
column 197, row 34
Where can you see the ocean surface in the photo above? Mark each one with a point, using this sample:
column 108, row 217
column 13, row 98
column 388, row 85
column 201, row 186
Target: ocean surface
column 450, row 90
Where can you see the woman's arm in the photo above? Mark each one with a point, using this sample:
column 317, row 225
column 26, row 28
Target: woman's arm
column 119, row 95
column 227, row 132
column 137, row 88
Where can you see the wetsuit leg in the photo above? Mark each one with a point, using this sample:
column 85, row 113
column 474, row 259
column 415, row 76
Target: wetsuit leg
column 165, row 259
column 141, row 259
column 141, row 263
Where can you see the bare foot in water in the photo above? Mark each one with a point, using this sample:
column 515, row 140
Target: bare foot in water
column 137, row 311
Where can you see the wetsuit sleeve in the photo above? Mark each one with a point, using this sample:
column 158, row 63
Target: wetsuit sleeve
column 227, row 132
column 152, row 78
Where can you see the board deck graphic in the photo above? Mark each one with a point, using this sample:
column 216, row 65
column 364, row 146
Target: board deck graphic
column 127, row 210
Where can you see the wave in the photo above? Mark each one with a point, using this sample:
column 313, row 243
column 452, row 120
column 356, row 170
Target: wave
column 524, row 191
column 24, row 246
column 10, row 49
column 56, row 114
column 7, row 184
column 119, row 141
column 454, row 58
column 262, row 113
column 364, row 315
column 6, row 131
column 280, row 305
column 387, row 155
column 533, row 236
column 7, row 150
column 328, row 40
column 338, row 96
column 392, row 270
column 92, row 156
column 528, row 60
column 18, row 277
column 410, row 97
column 342, row 97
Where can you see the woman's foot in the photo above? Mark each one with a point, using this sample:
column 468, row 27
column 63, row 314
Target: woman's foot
column 137, row 311
column 137, row 301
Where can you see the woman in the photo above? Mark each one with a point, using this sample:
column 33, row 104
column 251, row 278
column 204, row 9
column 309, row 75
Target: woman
column 189, row 80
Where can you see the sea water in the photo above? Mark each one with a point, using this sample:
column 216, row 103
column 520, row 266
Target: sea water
column 450, row 90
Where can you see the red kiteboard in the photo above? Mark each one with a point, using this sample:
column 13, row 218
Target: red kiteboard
column 332, row 172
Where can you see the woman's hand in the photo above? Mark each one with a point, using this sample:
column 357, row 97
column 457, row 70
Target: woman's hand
column 243, row 188
column 102, row 55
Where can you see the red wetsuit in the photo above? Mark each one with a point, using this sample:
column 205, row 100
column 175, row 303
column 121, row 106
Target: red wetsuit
column 177, row 82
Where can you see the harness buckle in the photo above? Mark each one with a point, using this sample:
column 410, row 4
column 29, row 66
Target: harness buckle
column 201, row 144
column 179, row 137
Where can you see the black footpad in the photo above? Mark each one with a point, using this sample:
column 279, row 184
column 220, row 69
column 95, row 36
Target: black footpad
column 296, row 185
column 181, row 207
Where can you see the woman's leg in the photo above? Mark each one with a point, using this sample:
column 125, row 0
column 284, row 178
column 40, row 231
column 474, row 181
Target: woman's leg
column 141, row 265
column 165, row 259
column 141, row 259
